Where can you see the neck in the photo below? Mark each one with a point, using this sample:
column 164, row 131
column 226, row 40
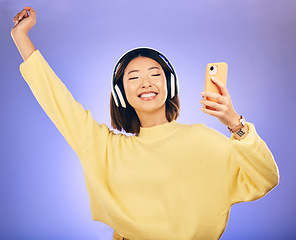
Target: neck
column 152, row 119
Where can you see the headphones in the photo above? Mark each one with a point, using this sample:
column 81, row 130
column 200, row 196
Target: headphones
column 118, row 90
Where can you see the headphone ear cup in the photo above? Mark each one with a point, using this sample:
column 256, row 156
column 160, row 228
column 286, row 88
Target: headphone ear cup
column 169, row 85
column 177, row 84
column 173, row 89
column 115, row 98
column 120, row 93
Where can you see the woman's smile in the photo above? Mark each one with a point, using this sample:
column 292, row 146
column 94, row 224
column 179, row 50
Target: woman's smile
column 147, row 96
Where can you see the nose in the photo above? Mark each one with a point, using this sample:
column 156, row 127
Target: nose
column 146, row 85
column 146, row 82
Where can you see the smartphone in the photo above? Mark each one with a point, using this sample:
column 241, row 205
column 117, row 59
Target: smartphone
column 219, row 71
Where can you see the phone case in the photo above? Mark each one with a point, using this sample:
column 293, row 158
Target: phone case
column 219, row 71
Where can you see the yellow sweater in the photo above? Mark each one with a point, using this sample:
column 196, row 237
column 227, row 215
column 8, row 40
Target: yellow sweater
column 172, row 182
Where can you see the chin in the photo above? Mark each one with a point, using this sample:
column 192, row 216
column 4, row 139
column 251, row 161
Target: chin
column 150, row 108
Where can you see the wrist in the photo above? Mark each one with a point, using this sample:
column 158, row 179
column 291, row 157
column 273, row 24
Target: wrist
column 23, row 43
column 240, row 124
column 235, row 123
column 242, row 133
column 15, row 33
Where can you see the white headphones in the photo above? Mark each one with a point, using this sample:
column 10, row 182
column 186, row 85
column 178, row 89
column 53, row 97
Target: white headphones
column 118, row 90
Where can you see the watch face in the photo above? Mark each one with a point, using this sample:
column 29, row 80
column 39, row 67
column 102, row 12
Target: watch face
column 242, row 121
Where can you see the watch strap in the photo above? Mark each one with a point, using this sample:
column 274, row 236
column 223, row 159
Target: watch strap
column 241, row 124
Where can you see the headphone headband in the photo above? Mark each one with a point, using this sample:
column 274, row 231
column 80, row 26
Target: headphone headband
column 118, row 91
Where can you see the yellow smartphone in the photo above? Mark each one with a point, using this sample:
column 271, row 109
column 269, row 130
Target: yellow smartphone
column 219, row 71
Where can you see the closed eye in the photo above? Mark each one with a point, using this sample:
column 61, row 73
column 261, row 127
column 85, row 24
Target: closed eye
column 133, row 78
column 154, row 75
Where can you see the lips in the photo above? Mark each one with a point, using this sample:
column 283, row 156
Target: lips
column 148, row 94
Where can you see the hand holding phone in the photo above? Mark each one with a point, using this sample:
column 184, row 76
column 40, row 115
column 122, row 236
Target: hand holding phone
column 216, row 89
column 219, row 71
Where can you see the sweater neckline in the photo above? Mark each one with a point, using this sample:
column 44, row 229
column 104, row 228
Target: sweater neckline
column 158, row 131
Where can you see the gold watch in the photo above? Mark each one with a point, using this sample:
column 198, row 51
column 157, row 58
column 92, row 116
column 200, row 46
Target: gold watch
column 241, row 124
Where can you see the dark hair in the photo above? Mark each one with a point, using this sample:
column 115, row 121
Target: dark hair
column 127, row 118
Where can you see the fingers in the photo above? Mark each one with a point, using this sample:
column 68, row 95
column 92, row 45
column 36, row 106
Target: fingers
column 215, row 102
column 211, row 112
column 221, row 85
column 23, row 14
column 216, row 96
column 223, row 108
column 31, row 10
column 212, row 105
column 18, row 17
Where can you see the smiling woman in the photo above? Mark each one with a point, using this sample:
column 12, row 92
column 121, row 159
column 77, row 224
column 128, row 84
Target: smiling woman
column 169, row 181
column 139, row 71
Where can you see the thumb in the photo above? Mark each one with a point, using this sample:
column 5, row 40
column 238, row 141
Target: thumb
column 31, row 11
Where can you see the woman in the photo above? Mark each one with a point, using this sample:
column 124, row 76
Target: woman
column 168, row 181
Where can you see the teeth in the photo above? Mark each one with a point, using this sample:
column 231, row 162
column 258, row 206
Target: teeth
column 146, row 95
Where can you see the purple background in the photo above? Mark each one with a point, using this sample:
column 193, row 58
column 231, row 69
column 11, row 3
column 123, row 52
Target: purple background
column 43, row 191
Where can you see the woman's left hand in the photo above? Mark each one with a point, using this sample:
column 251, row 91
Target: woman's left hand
column 224, row 110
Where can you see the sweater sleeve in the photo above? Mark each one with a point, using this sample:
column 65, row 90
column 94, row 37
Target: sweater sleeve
column 75, row 124
column 252, row 169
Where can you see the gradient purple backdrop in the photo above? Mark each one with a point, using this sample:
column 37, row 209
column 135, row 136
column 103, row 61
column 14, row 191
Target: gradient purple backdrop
column 43, row 191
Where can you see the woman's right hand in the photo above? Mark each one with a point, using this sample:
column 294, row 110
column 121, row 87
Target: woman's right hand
column 23, row 21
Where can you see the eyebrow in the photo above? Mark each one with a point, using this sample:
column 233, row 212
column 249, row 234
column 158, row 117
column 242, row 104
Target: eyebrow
column 138, row 70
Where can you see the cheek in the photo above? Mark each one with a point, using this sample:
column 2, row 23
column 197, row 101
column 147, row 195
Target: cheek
column 163, row 86
column 129, row 90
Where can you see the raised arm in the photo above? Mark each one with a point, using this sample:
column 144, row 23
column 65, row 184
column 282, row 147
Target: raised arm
column 19, row 33
column 72, row 120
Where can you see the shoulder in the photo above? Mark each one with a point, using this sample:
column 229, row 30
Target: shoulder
column 199, row 134
column 104, row 130
column 204, row 131
column 204, row 139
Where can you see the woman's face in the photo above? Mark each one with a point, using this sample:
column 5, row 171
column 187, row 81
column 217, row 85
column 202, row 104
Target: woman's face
column 145, row 85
